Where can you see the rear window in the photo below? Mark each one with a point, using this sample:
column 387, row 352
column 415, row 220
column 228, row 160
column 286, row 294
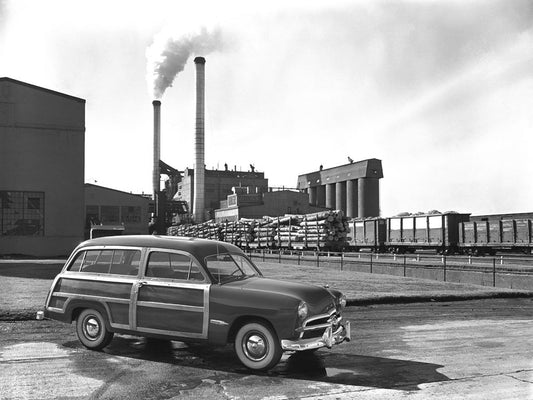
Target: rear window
column 108, row 261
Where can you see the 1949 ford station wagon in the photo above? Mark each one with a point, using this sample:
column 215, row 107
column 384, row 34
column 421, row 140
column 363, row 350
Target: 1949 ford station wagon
column 191, row 290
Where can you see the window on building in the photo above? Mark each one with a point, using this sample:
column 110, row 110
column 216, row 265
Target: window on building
column 110, row 214
column 131, row 215
column 92, row 216
column 21, row 213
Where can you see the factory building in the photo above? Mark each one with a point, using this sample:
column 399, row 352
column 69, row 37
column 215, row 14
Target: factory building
column 352, row 188
column 247, row 203
column 218, row 185
column 42, row 143
column 105, row 206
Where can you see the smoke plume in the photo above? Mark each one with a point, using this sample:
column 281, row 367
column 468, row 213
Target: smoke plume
column 168, row 55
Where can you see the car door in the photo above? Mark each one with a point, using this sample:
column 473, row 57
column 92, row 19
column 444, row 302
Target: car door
column 103, row 275
column 172, row 296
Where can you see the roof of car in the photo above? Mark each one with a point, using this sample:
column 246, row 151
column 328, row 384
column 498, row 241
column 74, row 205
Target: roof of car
column 199, row 247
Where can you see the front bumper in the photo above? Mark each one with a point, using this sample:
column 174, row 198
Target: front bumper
column 328, row 339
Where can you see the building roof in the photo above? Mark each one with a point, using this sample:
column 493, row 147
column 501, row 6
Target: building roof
column 11, row 80
column 370, row 168
column 90, row 185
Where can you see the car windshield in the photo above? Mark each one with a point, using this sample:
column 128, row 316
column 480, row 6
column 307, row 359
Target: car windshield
column 228, row 267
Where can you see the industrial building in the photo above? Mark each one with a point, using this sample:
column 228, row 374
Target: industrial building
column 248, row 203
column 105, row 206
column 352, row 188
column 42, row 145
column 218, row 185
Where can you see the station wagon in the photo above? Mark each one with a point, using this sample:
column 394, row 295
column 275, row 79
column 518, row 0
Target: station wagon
column 191, row 290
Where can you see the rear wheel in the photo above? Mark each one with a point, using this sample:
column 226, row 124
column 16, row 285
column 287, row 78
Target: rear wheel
column 257, row 346
column 92, row 331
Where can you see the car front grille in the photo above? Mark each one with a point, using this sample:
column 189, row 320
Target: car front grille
column 317, row 325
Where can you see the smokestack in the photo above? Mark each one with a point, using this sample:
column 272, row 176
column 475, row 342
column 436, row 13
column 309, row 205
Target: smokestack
column 199, row 167
column 157, row 154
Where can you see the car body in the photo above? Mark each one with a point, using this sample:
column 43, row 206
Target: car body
column 191, row 289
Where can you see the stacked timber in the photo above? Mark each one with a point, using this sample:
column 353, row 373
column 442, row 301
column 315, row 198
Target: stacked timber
column 326, row 229
column 286, row 230
column 239, row 232
column 263, row 233
column 205, row 230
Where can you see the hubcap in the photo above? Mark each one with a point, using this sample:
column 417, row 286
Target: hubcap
column 92, row 328
column 255, row 347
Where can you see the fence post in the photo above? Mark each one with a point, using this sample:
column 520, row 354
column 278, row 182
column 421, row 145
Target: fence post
column 342, row 261
column 317, row 260
column 371, row 263
column 444, row 261
column 493, row 272
column 263, row 253
column 279, row 256
column 404, row 265
column 299, row 254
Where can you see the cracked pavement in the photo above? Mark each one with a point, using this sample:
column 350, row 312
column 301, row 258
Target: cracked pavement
column 480, row 349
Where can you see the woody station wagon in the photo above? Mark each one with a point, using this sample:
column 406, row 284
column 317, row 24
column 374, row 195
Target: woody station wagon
column 191, row 290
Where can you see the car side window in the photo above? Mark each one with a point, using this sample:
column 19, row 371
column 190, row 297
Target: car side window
column 125, row 262
column 90, row 262
column 75, row 266
column 173, row 266
column 115, row 262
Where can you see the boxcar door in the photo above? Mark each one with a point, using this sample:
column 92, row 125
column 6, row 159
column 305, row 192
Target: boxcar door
column 172, row 296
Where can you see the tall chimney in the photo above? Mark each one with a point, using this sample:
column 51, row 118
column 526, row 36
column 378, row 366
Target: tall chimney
column 157, row 154
column 199, row 167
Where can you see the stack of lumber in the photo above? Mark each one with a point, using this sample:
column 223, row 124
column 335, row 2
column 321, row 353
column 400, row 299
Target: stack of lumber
column 206, row 230
column 286, row 230
column 263, row 233
column 238, row 232
column 326, row 229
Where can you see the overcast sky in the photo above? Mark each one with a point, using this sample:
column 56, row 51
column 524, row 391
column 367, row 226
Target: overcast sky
column 440, row 91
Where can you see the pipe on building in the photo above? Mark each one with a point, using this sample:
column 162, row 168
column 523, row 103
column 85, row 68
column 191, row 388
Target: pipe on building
column 351, row 199
column 312, row 191
column 330, row 195
column 199, row 167
column 368, row 199
column 340, row 196
column 157, row 154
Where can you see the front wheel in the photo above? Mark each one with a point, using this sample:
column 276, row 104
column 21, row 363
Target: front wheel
column 91, row 330
column 257, row 346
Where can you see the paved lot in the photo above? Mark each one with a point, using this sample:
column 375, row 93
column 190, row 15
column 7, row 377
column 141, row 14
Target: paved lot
column 464, row 349
column 481, row 349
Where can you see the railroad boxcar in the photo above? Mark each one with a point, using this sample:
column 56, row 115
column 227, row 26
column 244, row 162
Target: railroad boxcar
column 488, row 237
column 367, row 233
column 435, row 231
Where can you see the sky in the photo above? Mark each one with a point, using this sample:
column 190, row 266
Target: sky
column 440, row 91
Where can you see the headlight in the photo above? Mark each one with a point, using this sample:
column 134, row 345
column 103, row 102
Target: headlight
column 303, row 310
column 342, row 301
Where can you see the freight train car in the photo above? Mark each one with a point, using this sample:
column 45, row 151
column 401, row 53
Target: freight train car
column 488, row 237
column 367, row 234
column 435, row 231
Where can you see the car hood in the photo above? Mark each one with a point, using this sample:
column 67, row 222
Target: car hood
column 319, row 299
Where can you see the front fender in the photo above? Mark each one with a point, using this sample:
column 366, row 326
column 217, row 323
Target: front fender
column 229, row 304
